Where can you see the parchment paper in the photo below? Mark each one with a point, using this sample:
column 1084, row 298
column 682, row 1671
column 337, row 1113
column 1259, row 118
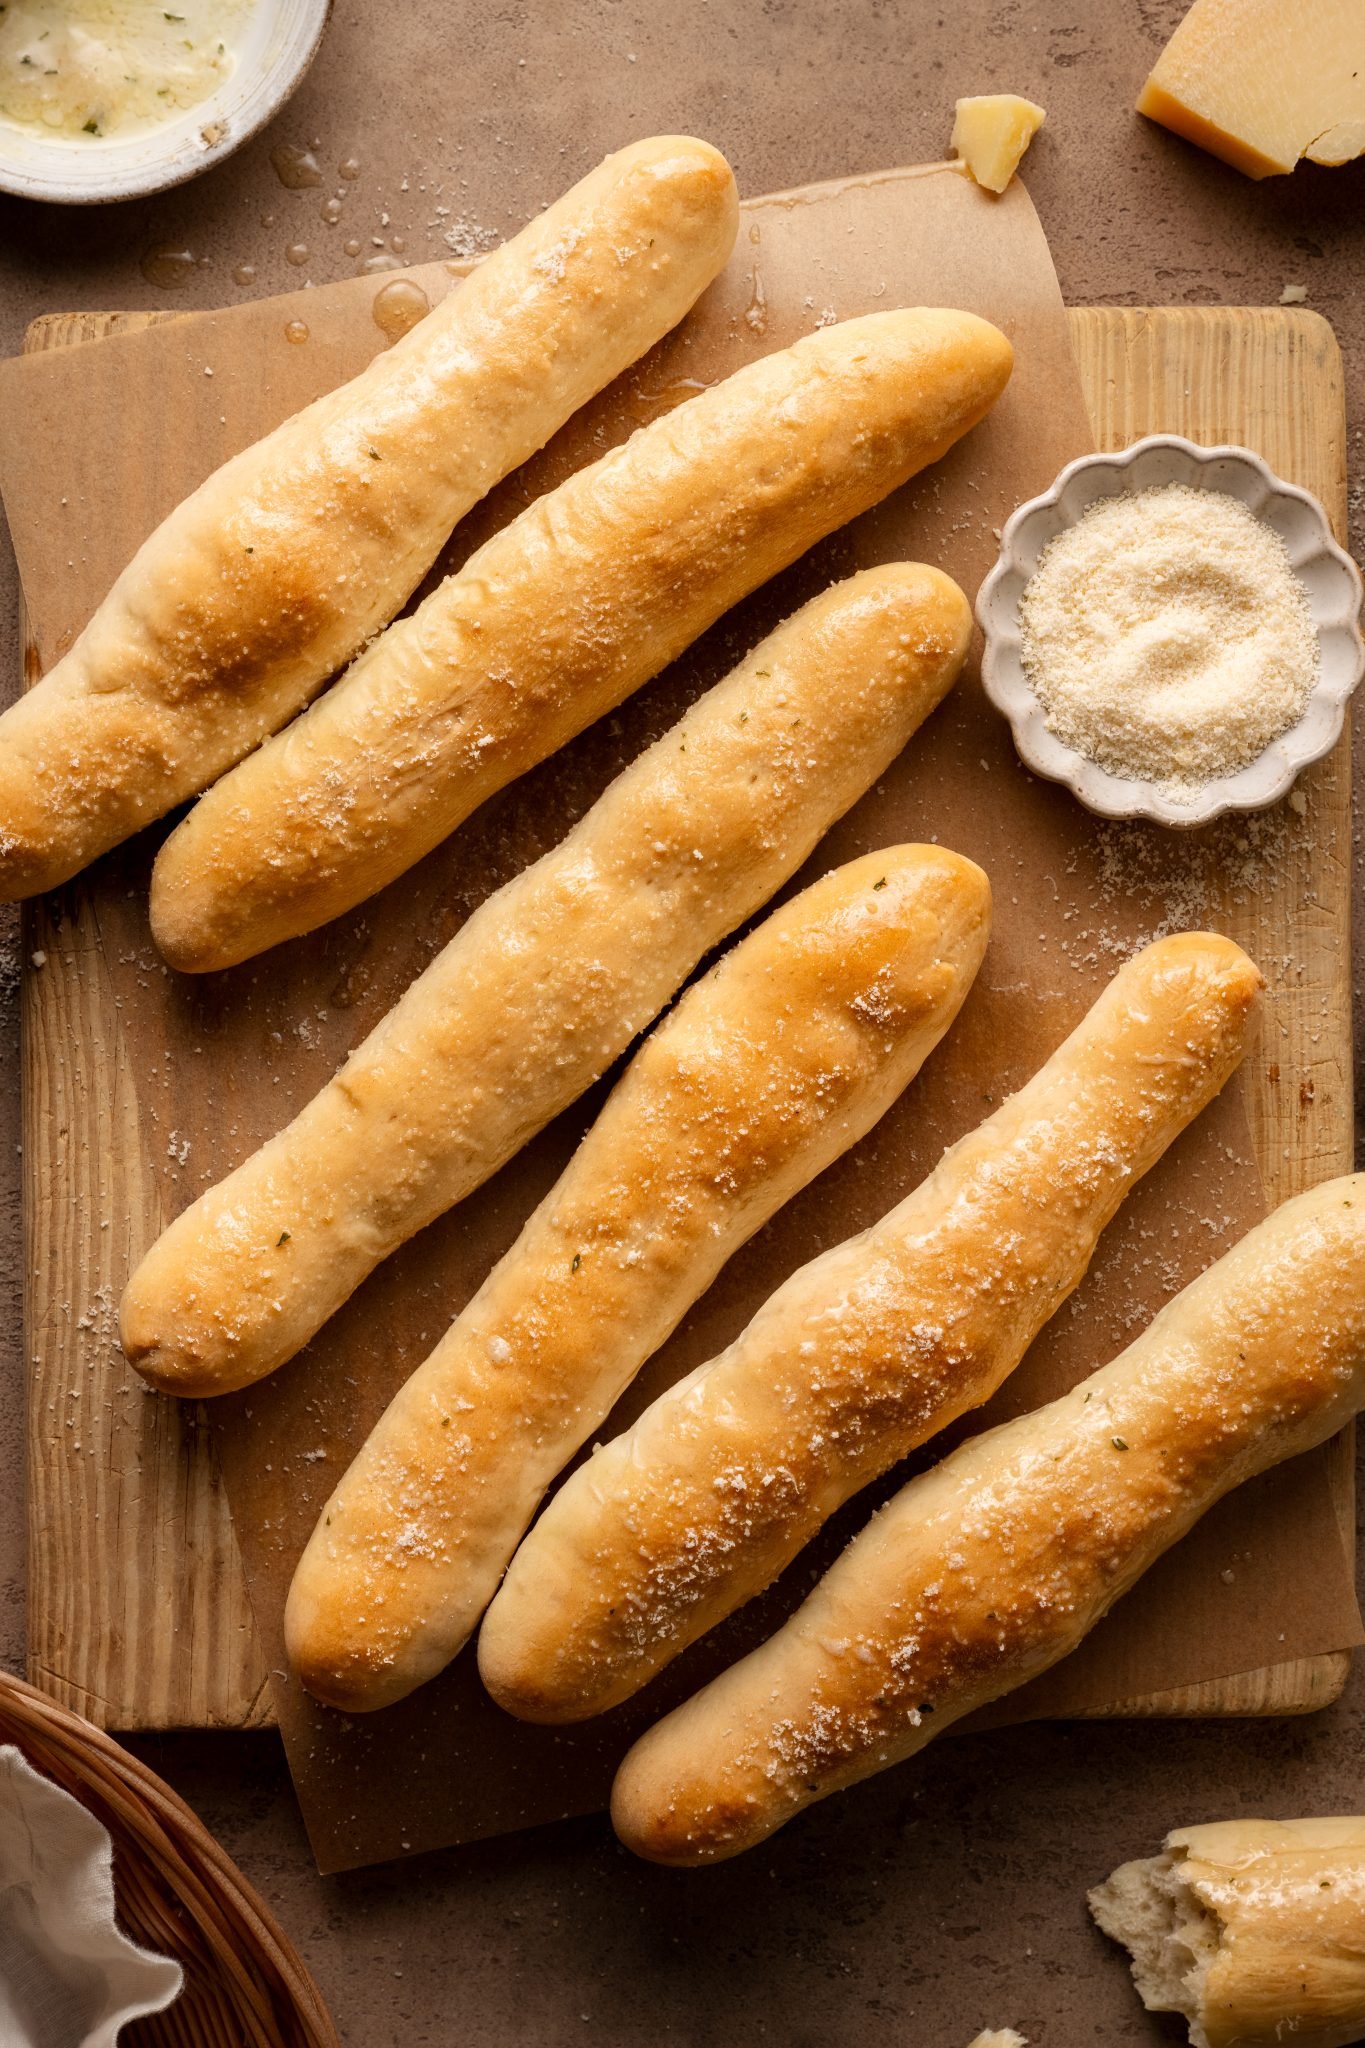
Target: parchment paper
column 97, row 443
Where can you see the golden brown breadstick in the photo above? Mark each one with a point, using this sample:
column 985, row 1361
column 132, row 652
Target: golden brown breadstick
column 549, row 980
column 865, row 1352
column 988, row 1569
column 1254, row 1930
column 783, row 1056
column 584, row 597
column 281, row 565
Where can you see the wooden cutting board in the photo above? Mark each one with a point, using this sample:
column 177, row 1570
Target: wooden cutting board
column 138, row 1613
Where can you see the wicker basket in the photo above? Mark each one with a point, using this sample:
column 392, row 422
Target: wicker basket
column 177, row 1892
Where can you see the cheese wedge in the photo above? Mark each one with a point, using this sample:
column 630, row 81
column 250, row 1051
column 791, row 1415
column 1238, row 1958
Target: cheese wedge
column 1262, row 83
column 991, row 133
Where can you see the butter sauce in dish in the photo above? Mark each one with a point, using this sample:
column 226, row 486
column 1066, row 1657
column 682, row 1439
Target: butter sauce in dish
column 78, row 68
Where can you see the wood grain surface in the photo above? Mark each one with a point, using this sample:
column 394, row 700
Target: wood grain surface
column 1270, row 379
column 138, row 1615
column 138, row 1609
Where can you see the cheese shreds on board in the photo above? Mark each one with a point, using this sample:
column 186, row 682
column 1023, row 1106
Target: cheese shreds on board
column 991, row 133
column 1262, row 83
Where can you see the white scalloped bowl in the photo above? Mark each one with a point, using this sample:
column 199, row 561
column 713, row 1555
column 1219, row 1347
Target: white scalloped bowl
column 279, row 42
column 1329, row 577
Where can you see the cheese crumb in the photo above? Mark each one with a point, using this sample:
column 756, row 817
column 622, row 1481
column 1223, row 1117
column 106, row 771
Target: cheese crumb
column 1167, row 637
column 991, row 133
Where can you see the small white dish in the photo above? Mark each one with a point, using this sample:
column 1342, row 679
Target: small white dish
column 278, row 43
column 1329, row 577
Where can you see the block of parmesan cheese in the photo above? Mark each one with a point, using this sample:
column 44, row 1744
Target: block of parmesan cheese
column 991, row 133
column 1262, row 83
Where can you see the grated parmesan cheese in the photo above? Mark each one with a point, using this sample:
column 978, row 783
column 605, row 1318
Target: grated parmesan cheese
column 1167, row 637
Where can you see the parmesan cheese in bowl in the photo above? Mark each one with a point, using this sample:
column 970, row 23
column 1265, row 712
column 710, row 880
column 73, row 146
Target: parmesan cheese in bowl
column 1172, row 632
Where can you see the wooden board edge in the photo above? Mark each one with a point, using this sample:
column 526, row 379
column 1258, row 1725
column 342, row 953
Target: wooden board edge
column 1304, row 1686
column 70, row 330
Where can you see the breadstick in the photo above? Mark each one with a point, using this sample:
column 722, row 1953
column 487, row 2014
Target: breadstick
column 864, row 1353
column 988, row 1569
column 583, row 598
column 548, row 981
column 783, row 1056
column 1254, row 1930
column 280, row 566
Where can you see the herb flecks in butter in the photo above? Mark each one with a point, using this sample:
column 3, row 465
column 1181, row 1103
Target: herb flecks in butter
column 111, row 68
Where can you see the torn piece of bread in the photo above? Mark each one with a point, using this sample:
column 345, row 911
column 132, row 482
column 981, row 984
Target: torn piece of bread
column 991, row 133
column 1252, row 1930
column 285, row 561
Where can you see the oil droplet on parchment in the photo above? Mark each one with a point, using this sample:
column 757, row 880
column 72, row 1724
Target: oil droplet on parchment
column 245, row 273
column 330, row 211
column 170, row 267
column 382, row 259
column 295, row 168
column 399, row 306
column 652, row 405
column 296, row 331
column 297, row 254
column 349, row 167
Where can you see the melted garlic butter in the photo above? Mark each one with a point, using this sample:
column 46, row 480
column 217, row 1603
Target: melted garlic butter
column 112, row 67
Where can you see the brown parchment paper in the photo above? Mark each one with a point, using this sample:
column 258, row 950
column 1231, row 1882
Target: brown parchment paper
column 97, row 443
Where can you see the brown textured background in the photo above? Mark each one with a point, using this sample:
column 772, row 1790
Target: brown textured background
column 926, row 1905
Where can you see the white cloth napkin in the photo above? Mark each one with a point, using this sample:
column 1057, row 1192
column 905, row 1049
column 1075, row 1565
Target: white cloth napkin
column 68, row 1977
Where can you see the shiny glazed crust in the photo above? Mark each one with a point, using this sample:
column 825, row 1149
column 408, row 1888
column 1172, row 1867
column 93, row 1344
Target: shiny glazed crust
column 580, row 600
column 788, row 1050
column 549, row 980
column 991, row 1567
column 280, row 566
column 865, row 1352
